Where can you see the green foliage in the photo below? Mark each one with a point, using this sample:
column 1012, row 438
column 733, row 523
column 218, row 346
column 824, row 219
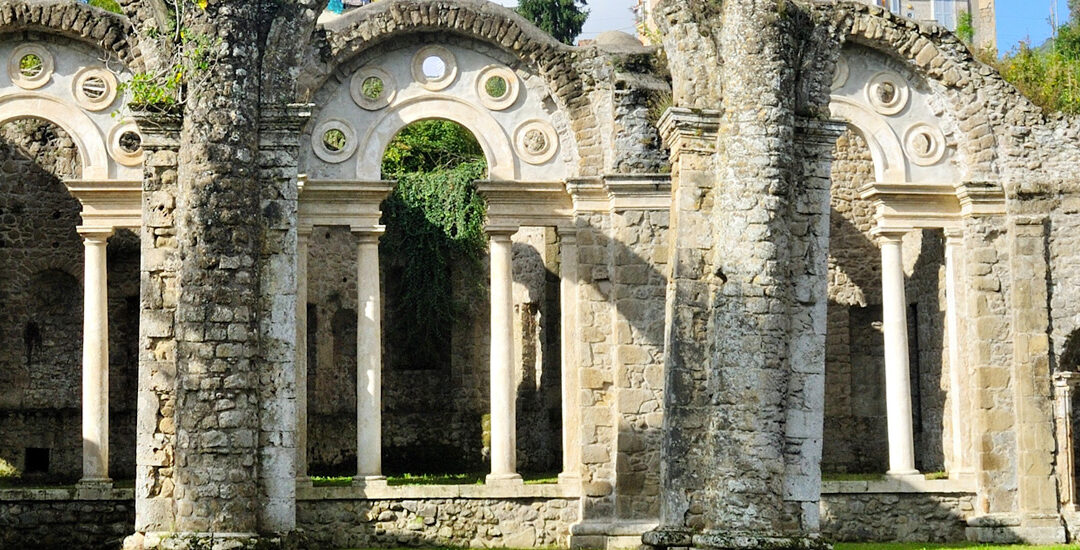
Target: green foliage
column 495, row 87
column 8, row 470
column 1049, row 76
column 965, row 27
column 372, row 87
column 165, row 88
column 107, row 5
column 562, row 19
column 434, row 221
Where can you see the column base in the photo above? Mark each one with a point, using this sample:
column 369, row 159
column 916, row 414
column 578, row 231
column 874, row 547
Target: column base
column 1016, row 529
column 94, row 488
column 369, row 481
column 901, row 474
column 729, row 540
column 213, row 541
column 503, row 479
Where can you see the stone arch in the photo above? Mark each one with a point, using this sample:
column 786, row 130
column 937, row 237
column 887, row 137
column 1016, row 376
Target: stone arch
column 885, row 148
column 497, row 148
column 98, row 28
column 88, row 139
column 939, row 57
column 362, row 29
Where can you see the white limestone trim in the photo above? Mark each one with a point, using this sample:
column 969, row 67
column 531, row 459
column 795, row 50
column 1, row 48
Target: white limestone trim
column 83, row 79
column 934, row 149
column 349, row 203
column 513, row 88
column 82, row 130
column 30, row 82
column 387, row 492
column 486, row 130
column 318, row 143
column 108, row 204
column 536, row 141
column 913, row 205
column 122, row 156
column 889, row 162
column 385, row 98
column 525, row 203
column 450, row 71
column 1065, row 385
column 877, row 85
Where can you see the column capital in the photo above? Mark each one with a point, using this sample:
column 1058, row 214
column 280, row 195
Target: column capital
column 95, row 234
column 369, row 234
column 954, row 235
column 567, row 234
column 501, row 231
column 303, row 232
column 890, row 234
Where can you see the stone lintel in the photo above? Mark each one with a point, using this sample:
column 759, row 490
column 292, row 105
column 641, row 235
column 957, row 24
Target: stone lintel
column 693, row 130
column 527, row 203
column 589, row 194
column 639, row 191
column 280, row 126
column 729, row 540
column 342, row 203
column 914, row 205
column 160, row 130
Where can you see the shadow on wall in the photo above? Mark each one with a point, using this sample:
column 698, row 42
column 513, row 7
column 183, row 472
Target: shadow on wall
column 1070, row 354
column 892, row 515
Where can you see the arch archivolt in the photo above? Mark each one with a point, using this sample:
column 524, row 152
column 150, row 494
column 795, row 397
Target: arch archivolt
column 509, row 111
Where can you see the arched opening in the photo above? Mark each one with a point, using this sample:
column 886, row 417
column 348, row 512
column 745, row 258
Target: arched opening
column 434, row 281
column 41, row 321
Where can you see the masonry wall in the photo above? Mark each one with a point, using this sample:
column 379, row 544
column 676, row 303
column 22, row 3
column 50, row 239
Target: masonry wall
column 895, row 517
column 46, row 520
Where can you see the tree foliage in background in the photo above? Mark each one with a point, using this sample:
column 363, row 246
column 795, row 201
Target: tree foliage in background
column 434, row 221
column 1049, row 75
column 562, row 19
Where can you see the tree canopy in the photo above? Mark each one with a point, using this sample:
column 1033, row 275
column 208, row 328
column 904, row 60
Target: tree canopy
column 562, row 19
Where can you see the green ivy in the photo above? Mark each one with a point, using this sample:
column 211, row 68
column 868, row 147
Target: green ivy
column 107, row 5
column 434, row 222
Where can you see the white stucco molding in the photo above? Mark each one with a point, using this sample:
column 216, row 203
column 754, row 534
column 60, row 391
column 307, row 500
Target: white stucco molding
column 492, row 138
column 88, row 138
column 108, row 204
column 525, row 203
column 342, row 203
column 890, row 164
column 913, row 205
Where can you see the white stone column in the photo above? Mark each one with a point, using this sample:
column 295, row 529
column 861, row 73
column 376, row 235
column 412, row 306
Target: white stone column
column 368, row 360
column 954, row 240
column 95, row 364
column 303, row 237
column 568, row 303
column 503, row 386
column 1064, row 383
column 897, row 377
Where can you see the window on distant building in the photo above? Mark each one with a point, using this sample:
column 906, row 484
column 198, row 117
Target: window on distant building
column 945, row 13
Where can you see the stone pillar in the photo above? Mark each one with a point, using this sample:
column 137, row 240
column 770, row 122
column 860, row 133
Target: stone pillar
column 897, row 377
column 960, row 464
column 303, row 237
column 95, row 375
column 571, row 411
column 1064, row 389
column 368, row 360
column 503, row 383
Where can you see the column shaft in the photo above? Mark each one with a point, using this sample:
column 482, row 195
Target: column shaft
column 897, row 378
column 957, row 395
column 503, row 388
column 302, row 239
column 571, row 412
column 95, row 390
column 368, row 359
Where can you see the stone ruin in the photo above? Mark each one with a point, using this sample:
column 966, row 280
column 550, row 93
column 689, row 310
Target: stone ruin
column 730, row 278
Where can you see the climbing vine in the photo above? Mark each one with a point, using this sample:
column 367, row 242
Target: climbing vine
column 434, row 224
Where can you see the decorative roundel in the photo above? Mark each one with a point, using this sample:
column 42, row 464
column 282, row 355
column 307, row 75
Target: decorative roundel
column 372, row 88
column 536, row 141
column 840, row 76
column 887, row 93
column 30, row 66
column 125, row 144
column 498, row 87
column 924, row 144
column 434, row 67
column 334, row 141
column 94, row 88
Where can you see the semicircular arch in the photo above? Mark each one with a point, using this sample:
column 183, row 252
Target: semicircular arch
column 93, row 153
column 487, row 131
column 889, row 162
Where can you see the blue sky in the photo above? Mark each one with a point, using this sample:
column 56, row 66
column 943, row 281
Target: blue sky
column 1017, row 19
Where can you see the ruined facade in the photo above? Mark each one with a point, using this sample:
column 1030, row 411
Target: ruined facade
column 803, row 272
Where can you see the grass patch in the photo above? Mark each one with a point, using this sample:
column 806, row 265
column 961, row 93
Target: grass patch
column 935, row 546
column 469, row 478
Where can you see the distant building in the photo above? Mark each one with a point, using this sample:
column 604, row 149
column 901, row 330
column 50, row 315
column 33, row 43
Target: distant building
column 945, row 12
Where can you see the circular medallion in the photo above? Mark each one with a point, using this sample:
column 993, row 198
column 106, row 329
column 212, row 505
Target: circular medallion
column 372, row 88
column 30, row 66
column 125, row 144
column 924, row 144
column 94, row 88
column 498, row 87
column 536, row 141
column 434, row 67
column 334, row 141
column 887, row 93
